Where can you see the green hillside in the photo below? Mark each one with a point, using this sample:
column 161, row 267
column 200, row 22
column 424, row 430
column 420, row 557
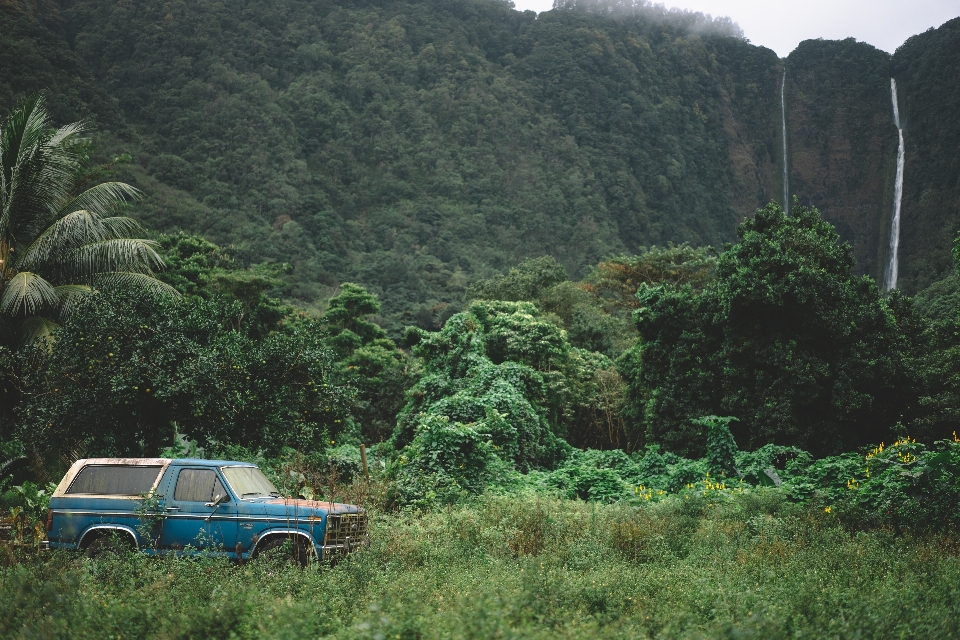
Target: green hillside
column 414, row 146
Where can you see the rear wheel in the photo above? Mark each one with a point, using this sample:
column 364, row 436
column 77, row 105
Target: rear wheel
column 108, row 545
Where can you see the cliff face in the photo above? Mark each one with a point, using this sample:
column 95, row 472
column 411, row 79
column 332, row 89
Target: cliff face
column 751, row 124
column 927, row 69
column 842, row 144
column 843, row 147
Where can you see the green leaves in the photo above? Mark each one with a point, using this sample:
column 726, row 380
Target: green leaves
column 785, row 339
column 721, row 447
column 445, row 460
column 153, row 362
column 52, row 243
column 503, row 368
column 27, row 293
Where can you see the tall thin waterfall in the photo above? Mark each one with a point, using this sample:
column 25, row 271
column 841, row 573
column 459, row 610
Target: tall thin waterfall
column 893, row 266
column 783, row 121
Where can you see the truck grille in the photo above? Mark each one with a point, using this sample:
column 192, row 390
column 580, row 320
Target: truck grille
column 345, row 532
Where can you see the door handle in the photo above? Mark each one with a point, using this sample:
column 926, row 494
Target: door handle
column 173, row 508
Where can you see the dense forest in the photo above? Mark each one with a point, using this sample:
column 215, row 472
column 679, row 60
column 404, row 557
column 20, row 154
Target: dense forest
column 557, row 226
column 416, row 146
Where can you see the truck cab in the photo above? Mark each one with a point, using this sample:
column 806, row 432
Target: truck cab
column 217, row 507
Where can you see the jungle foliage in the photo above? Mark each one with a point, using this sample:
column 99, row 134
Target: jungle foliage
column 411, row 147
column 677, row 375
column 785, row 338
column 415, row 146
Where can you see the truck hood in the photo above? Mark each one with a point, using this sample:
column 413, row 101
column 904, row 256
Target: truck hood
column 313, row 505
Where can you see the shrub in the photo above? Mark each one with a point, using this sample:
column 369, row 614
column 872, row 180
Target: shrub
column 446, row 461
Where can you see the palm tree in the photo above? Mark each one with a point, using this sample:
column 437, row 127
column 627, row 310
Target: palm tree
column 56, row 244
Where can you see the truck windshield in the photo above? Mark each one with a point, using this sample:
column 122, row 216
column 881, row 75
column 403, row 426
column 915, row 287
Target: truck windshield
column 249, row 482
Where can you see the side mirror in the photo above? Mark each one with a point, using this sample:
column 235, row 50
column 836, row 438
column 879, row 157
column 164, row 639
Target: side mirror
column 218, row 499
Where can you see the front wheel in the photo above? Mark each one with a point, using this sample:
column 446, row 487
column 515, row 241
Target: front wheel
column 297, row 553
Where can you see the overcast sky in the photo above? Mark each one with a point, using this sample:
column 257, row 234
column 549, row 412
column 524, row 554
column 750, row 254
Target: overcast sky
column 782, row 24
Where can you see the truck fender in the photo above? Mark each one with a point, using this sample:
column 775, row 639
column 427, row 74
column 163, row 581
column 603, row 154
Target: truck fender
column 93, row 532
column 282, row 533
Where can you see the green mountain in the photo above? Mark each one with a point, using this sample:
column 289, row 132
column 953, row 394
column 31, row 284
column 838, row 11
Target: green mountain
column 416, row 145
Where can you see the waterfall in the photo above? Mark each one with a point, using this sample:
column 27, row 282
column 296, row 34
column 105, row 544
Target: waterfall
column 893, row 266
column 783, row 121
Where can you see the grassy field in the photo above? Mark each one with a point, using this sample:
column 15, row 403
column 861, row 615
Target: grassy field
column 525, row 567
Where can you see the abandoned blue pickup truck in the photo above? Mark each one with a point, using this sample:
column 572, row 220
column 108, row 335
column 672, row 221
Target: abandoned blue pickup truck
column 161, row 505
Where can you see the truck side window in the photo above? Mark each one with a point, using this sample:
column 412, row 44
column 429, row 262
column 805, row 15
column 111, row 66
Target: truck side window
column 105, row 480
column 198, row 485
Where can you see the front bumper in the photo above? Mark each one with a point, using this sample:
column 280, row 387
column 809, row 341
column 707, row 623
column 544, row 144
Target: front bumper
column 339, row 550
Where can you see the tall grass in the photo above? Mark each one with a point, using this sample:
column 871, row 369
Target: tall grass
column 524, row 567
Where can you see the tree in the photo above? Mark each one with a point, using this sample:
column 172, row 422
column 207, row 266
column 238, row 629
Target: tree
column 154, row 364
column 785, row 339
column 346, row 318
column 616, row 281
column 492, row 367
column 57, row 242
column 528, row 281
column 368, row 361
column 812, row 355
column 197, row 267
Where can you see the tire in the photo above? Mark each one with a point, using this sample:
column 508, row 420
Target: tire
column 297, row 555
column 106, row 546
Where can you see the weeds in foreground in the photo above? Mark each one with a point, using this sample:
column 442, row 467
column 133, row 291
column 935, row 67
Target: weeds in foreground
column 524, row 567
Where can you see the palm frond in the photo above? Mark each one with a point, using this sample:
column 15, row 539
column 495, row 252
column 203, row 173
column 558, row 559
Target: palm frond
column 104, row 198
column 72, row 230
column 22, row 129
column 37, row 176
column 26, row 293
column 26, row 194
column 67, row 132
column 120, row 227
column 37, row 329
column 57, row 176
column 134, row 280
column 70, row 295
column 116, row 254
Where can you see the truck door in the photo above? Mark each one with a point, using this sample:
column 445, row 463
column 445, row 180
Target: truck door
column 194, row 517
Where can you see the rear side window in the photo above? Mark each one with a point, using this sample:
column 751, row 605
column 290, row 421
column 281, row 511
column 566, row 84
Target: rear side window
column 198, row 485
column 115, row 479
